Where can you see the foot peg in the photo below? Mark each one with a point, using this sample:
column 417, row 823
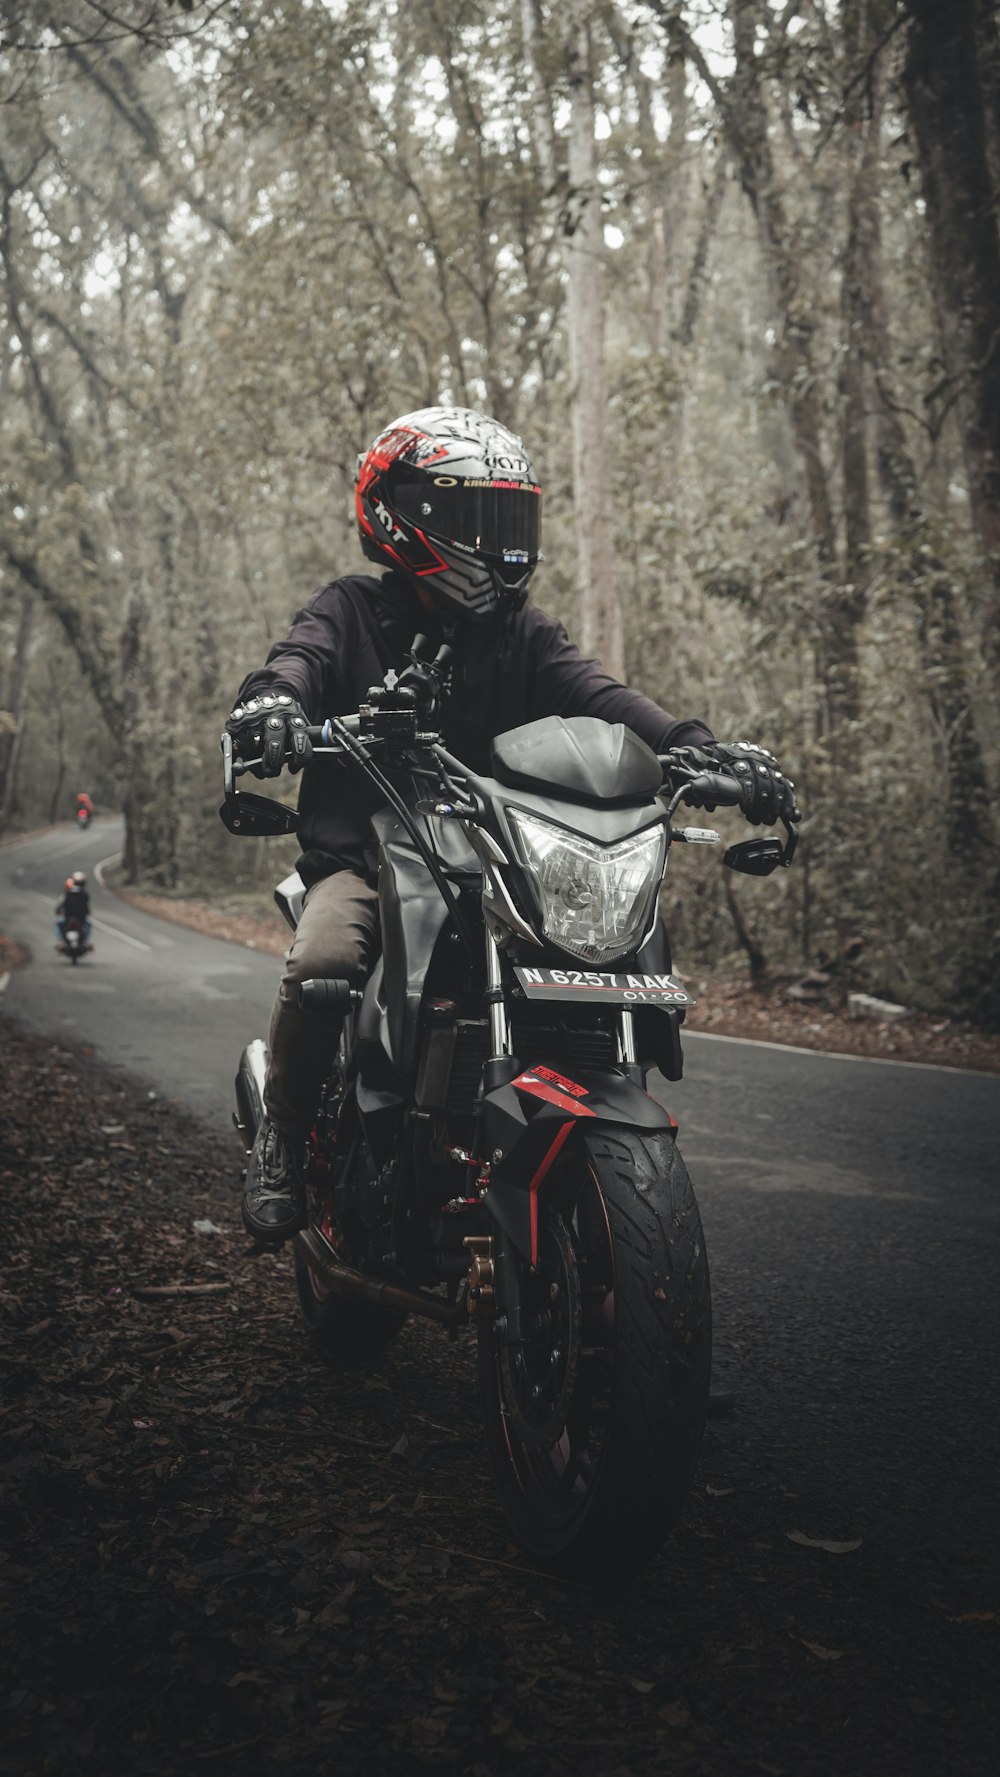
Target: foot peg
column 327, row 996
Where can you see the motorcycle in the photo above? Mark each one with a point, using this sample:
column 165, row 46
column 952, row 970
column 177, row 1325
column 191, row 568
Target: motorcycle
column 486, row 1153
column 73, row 943
column 84, row 817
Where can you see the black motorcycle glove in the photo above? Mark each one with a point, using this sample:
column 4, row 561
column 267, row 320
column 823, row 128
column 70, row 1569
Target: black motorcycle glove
column 266, row 728
column 766, row 794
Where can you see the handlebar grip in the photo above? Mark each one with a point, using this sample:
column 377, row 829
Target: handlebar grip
column 327, row 996
column 715, row 786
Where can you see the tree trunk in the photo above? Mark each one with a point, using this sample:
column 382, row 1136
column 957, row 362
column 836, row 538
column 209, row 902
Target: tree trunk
column 863, row 120
column 935, row 596
column 743, row 111
column 697, row 278
column 57, row 789
column 945, row 101
column 749, row 135
column 18, row 686
column 988, row 44
column 755, row 955
column 582, row 238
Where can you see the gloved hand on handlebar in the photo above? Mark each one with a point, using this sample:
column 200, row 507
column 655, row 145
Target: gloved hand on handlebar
column 268, row 727
column 767, row 795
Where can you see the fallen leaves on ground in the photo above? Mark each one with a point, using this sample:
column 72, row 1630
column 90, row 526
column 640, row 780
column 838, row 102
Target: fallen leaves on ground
column 222, row 1554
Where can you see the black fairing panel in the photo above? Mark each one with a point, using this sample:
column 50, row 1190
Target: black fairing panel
column 370, row 1037
column 658, row 1028
column 445, row 838
column 580, row 756
column 654, row 958
column 412, row 913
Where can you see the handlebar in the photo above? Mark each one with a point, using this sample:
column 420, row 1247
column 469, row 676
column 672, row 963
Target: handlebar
column 390, row 719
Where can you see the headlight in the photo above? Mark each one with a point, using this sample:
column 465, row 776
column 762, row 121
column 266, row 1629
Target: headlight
column 596, row 900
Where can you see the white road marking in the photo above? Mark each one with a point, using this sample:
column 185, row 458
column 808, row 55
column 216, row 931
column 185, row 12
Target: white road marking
column 112, row 858
column 160, row 942
column 938, row 1067
column 3, row 981
column 113, row 932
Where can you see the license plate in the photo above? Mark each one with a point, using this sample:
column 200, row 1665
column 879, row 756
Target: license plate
column 597, row 985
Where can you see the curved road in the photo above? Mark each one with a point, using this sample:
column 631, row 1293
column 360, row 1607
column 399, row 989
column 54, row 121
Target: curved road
column 173, row 1007
column 852, row 1211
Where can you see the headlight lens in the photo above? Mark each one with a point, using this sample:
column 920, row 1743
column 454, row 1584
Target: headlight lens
column 596, row 900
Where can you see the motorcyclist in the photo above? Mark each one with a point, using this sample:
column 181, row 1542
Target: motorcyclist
column 84, row 807
column 75, row 904
column 449, row 508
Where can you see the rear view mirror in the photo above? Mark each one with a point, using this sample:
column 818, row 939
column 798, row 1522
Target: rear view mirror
column 257, row 817
column 755, row 857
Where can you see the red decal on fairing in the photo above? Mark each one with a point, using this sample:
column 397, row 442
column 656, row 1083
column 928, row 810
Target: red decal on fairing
column 543, row 1168
column 537, row 1088
column 560, row 1080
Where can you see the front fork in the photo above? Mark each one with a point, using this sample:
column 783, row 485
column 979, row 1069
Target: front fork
column 497, row 1268
column 500, row 1040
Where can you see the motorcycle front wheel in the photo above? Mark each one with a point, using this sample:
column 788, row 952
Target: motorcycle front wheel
column 594, row 1419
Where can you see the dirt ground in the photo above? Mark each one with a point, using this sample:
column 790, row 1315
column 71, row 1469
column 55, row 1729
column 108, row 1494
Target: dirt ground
column 219, row 1554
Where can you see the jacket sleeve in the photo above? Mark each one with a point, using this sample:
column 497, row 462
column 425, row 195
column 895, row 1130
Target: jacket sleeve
column 565, row 683
column 310, row 661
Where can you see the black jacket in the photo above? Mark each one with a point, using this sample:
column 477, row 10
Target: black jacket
column 75, row 904
column 353, row 630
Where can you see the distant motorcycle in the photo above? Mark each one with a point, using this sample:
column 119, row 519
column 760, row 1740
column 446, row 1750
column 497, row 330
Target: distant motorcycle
column 84, row 816
column 486, row 1153
column 73, row 942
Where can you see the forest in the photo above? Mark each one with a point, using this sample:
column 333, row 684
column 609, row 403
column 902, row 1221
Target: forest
column 731, row 267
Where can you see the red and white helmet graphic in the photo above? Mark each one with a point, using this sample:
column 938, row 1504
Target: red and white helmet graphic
column 449, row 497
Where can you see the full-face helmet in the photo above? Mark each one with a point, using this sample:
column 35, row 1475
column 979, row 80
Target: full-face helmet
column 449, row 497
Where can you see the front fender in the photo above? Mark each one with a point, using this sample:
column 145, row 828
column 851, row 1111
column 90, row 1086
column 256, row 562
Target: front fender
column 527, row 1123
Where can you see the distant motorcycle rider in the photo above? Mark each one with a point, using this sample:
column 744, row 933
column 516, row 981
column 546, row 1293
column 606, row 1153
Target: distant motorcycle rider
column 75, row 904
column 449, row 508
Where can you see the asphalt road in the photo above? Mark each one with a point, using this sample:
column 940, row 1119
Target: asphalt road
column 852, row 1213
column 173, row 1007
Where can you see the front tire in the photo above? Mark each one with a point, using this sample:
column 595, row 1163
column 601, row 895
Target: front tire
column 594, row 1422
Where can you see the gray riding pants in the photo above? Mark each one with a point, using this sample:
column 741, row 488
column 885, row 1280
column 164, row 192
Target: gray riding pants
column 335, row 937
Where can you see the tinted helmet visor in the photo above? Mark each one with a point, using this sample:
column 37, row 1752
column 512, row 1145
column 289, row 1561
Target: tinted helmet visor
column 499, row 519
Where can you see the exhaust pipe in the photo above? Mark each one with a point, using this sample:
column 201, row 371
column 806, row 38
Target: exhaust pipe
column 249, row 1113
column 321, row 1258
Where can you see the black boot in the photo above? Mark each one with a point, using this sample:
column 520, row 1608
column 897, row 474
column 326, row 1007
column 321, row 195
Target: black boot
column 274, row 1195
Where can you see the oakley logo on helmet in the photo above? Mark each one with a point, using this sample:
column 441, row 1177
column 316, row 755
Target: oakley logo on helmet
column 471, row 532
